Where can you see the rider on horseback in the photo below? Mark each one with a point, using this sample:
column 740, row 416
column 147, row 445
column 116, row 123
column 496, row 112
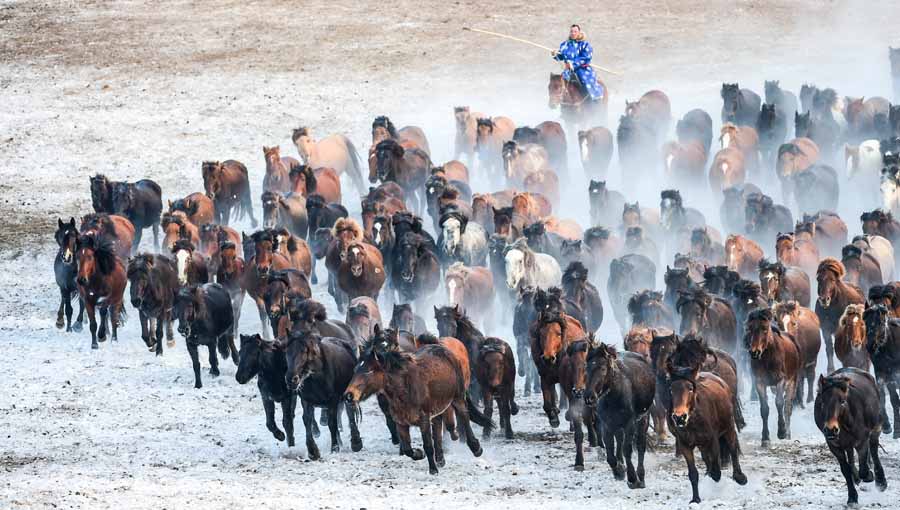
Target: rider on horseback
column 577, row 53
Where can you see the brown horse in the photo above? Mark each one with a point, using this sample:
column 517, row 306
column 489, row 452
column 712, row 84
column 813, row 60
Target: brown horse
column 334, row 151
column 110, row 228
column 797, row 253
column 452, row 171
column 850, row 338
column 684, row 163
column 323, row 181
column 286, row 210
column 409, row 168
column 190, row 265
column 824, row 228
column 775, row 360
column 701, row 415
column 101, row 284
column 802, row 325
column 294, row 248
column 862, row 268
column 638, row 340
column 534, row 206
column 408, row 136
column 549, row 340
column 653, row 109
column 419, row 387
column 596, row 148
column 176, row 226
column 491, row 134
column 575, row 106
column 198, row 207
column 257, row 269
column 744, row 139
column 212, row 236
column 228, row 185
column 495, row 371
column 794, row 157
column 278, row 170
column 229, row 273
column 728, row 169
column 573, row 378
column 834, row 296
column 361, row 272
column 544, row 182
column 742, row 255
column 466, row 126
column 470, row 288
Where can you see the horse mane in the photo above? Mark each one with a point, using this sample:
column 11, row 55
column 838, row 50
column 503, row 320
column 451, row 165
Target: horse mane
column 358, row 310
column 300, row 131
column 747, row 289
column 851, row 252
column 492, row 344
column 171, row 218
column 485, row 121
column 183, row 244
column 807, row 226
column 690, row 352
column 197, row 293
column 640, row 299
column 308, row 309
column 575, row 272
column 670, row 194
column 761, row 314
column 596, row 232
column 344, row 224
column 104, row 252
column 850, row 311
column 692, row 295
column 384, row 122
column 832, row 265
column 308, row 174
column 466, row 328
column 767, row 265
column 140, row 263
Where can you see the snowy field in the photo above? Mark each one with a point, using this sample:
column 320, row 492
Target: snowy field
column 135, row 89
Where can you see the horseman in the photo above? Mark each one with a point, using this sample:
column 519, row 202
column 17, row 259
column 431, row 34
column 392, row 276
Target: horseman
column 577, row 53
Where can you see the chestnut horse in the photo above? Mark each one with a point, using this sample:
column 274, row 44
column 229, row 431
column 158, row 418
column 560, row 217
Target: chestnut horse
column 596, row 149
column 111, row 228
column 471, row 288
column 549, row 339
column 850, row 338
column 466, row 124
column 791, row 251
column 198, row 207
column 802, row 325
column 361, row 272
column 320, row 181
column 742, row 255
column 175, row 227
column 277, row 170
column 228, row 185
column 257, row 269
column 101, row 283
column 834, row 296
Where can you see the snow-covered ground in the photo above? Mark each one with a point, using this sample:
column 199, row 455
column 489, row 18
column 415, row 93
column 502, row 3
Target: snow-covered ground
column 135, row 90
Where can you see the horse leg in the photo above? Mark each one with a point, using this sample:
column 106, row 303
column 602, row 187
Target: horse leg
column 428, row 442
column 323, row 417
column 195, row 363
column 798, row 392
column 69, row 311
column 333, row 418
column 810, row 379
column 388, row 420
column 92, row 324
column 170, row 330
column 288, row 408
column 145, row 329
column 563, row 399
column 309, row 418
column 213, row 359
column 138, row 234
column 734, row 448
column 354, row 414
column 450, row 425
column 619, row 470
column 782, row 397
column 829, row 349
column 62, row 308
column 609, row 442
column 579, row 443
column 587, row 414
column 264, row 320
column 313, row 279
column 763, row 411
column 104, row 322
column 548, row 389
column 269, row 407
column 155, row 227
column 739, row 421
column 693, row 475
column 114, row 319
column 880, row 481
column 713, row 458
column 882, row 396
column 77, row 327
column 437, row 435
column 847, row 471
column 160, row 326
column 406, row 444
column 865, row 473
column 506, row 402
column 640, row 442
column 462, row 414
column 535, row 379
column 892, row 388
column 488, row 398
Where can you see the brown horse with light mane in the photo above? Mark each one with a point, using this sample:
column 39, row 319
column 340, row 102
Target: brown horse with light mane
column 227, row 183
column 575, row 106
column 334, row 151
column 323, row 181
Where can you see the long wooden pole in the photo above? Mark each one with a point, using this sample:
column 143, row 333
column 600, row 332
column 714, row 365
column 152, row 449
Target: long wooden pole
column 536, row 45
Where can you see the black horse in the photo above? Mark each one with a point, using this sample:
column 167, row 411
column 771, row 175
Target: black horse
column 319, row 370
column 883, row 345
column 205, row 317
column 416, row 269
column 523, row 316
column 577, row 289
column 154, row 282
column 771, row 126
column 66, row 270
column 141, row 203
column 320, row 214
column 267, row 362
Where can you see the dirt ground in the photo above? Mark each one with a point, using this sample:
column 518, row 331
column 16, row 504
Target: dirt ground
column 140, row 89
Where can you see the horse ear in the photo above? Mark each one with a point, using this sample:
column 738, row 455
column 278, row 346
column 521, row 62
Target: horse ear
column 821, row 383
column 377, row 328
column 71, row 221
column 60, row 222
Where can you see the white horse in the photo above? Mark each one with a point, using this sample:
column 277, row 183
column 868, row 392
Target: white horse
column 864, row 165
column 882, row 250
column 890, row 190
column 463, row 241
column 522, row 160
column 525, row 267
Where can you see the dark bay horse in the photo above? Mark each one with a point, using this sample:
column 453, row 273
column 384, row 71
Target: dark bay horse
column 205, row 317
column 154, row 282
column 65, row 268
column 101, row 284
column 575, row 105
column 834, row 296
column 141, row 203
column 266, row 360
column 228, row 185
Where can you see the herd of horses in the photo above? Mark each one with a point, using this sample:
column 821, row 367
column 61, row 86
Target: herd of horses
column 748, row 309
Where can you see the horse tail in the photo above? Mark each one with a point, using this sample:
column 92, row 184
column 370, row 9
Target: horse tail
column 246, row 206
column 355, row 170
column 222, row 344
column 477, row 416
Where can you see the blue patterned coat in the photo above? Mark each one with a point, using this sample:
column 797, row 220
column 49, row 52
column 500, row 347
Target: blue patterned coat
column 579, row 54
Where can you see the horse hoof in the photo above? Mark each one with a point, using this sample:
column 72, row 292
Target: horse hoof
column 440, row 462
column 95, row 345
column 867, row 478
column 198, row 385
column 432, row 470
column 170, row 343
column 513, row 408
column 60, row 323
column 214, row 373
column 77, row 327
column 765, row 443
column 478, row 451
column 554, row 422
column 335, row 448
column 313, row 453
column 881, row 484
column 740, row 478
column 782, row 434
column 695, row 500
column 619, row 472
column 417, row 454
column 509, row 434
column 279, row 435
column 579, row 467
column 636, row 485
column 356, row 445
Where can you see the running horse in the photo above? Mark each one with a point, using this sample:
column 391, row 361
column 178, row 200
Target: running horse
column 574, row 104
